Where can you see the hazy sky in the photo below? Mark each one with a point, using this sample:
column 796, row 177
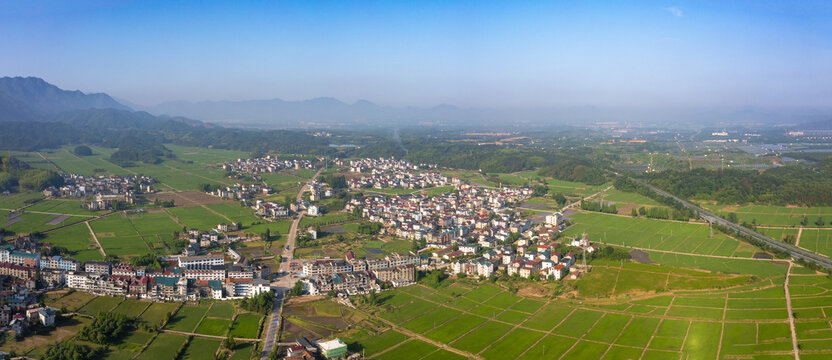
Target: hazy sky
column 423, row 53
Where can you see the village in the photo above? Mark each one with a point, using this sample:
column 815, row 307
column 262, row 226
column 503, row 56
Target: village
column 267, row 164
column 103, row 192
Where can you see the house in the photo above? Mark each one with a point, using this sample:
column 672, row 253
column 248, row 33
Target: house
column 333, row 349
column 312, row 232
column 97, row 267
column 313, row 210
column 46, row 316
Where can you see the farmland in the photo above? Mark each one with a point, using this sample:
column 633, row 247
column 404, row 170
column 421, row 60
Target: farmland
column 785, row 216
column 670, row 236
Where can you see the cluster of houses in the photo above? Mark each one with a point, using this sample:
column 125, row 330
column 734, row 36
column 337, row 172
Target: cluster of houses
column 268, row 164
column 380, row 179
column 23, row 270
column 184, row 278
column 471, row 212
column 241, row 192
column 103, row 192
column 198, row 240
column 353, row 276
column 382, row 164
column 542, row 260
column 318, row 191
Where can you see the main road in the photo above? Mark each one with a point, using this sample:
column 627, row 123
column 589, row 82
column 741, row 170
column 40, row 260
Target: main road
column 712, row 218
column 286, row 278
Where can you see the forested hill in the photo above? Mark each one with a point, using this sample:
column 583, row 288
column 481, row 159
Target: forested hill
column 787, row 185
column 41, row 97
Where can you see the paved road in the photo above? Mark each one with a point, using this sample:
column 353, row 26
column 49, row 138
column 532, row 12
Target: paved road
column 712, row 218
column 284, row 282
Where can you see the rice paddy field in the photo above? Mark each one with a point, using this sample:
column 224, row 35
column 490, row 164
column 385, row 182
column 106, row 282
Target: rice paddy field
column 777, row 215
column 743, row 318
column 669, row 236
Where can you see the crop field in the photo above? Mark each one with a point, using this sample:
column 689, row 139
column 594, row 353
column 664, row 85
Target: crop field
column 246, row 326
column 777, row 215
column 153, row 223
column 629, row 278
column 242, row 352
column 617, row 196
column 817, row 240
column 100, row 304
column 205, row 155
column 155, row 314
column 71, row 302
column 746, row 315
column 282, row 180
column 187, row 318
column 196, row 217
column 778, row 233
column 17, row 200
column 201, row 348
column 670, row 236
column 570, row 188
column 61, row 206
column 162, row 347
column 132, row 308
column 78, row 240
column 326, row 219
column 30, row 222
column 221, row 310
column 235, row 212
column 212, row 326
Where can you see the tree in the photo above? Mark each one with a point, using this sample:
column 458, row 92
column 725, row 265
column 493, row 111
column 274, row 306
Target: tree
column 819, row 221
column 805, row 221
column 642, row 211
column 82, row 150
column 297, row 290
column 268, row 234
column 633, row 212
column 230, row 343
column 105, row 328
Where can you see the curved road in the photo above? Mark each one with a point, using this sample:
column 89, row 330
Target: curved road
column 794, row 251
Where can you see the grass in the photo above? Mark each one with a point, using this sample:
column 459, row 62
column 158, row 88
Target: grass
column 481, row 337
column 512, row 345
column 776, row 215
column 411, row 350
column 381, row 342
column 71, row 302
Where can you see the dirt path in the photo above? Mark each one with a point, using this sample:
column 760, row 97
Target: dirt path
column 50, row 213
column 101, row 248
column 588, row 197
column 206, row 336
column 791, row 314
column 799, row 233
column 50, row 162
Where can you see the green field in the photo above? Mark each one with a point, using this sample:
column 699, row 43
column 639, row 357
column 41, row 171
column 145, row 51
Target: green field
column 100, row 304
column 201, row 348
column 155, row 314
column 222, row 310
column 777, row 215
column 162, row 347
column 132, row 308
column 246, row 326
column 644, row 233
column 196, row 217
column 187, row 318
column 212, row 326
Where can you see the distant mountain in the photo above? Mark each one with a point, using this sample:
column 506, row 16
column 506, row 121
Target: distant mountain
column 42, row 97
column 13, row 110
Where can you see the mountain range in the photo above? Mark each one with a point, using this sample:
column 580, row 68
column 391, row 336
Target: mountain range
column 33, row 99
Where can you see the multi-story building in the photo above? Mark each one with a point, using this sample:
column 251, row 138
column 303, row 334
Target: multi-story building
column 20, row 258
column 397, row 275
column 60, row 263
column 326, row 266
column 201, row 262
column 97, row 267
column 215, row 272
column 18, row 271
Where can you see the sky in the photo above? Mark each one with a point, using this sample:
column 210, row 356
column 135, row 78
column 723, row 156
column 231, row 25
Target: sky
column 483, row 54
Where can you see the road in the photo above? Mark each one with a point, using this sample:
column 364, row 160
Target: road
column 714, row 219
column 284, row 282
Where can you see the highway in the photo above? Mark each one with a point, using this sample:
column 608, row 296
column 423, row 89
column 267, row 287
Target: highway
column 794, row 251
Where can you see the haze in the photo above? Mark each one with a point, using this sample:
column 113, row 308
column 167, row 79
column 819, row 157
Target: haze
column 471, row 54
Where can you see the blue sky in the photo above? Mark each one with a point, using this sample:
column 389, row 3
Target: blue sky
column 502, row 54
